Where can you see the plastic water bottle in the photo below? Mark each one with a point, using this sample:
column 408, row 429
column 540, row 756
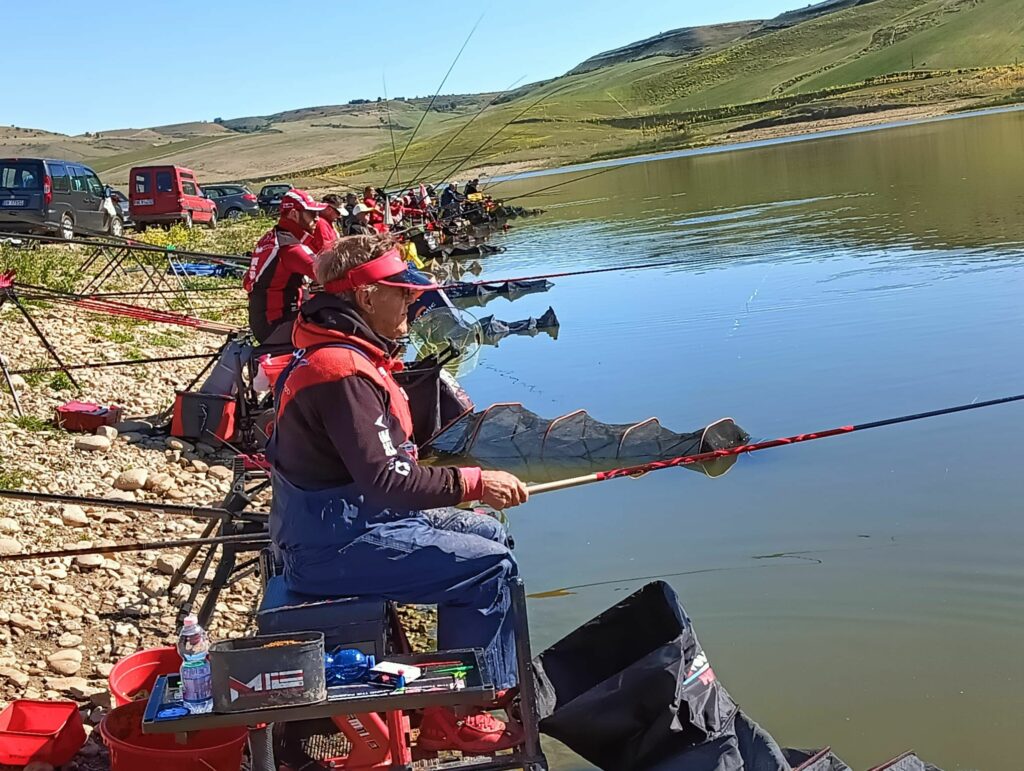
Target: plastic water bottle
column 196, row 678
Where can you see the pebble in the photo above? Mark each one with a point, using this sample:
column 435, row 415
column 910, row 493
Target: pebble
column 223, row 473
column 106, row 431
column 131, row 480
column 21, row 621
column 69, row 640
column 168, row 563
column 67, row 609
column 89, row 561
column 92, row 443
column 74, row 516
column 8, row 525
column 10, row 546
column 65, row 662
column 15, row 676
column 174, row 443
column 133, row 426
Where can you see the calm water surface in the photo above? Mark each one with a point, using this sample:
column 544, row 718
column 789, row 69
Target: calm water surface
column 865, row 591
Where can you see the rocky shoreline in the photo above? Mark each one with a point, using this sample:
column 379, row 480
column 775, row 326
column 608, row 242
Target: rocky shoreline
column 65, row 622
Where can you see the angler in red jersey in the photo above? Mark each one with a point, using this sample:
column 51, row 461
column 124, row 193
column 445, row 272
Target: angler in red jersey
column 326, row 232
column 280, row 264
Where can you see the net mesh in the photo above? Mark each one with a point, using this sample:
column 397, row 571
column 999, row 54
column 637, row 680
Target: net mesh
column 536, row 449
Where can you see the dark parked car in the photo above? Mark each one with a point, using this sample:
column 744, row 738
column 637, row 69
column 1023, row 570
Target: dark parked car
column 121, row 202
column 41, row 195
column 269, row 198
column 233, row 201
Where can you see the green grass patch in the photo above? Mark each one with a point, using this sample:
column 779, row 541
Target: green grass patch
column 165, row 340
column 11, row 479
column 35, row 424
column 61, row 382
column 55, row 267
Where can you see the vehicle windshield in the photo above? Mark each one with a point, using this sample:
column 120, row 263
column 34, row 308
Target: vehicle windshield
column 21, row 175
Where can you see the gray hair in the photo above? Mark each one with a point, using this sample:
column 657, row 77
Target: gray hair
column 348, row 253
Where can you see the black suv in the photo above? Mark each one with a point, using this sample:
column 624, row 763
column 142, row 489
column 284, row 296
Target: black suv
column 39, row 195
column 270, row 196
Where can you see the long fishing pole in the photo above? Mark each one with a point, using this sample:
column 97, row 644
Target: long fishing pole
column 448, row 174
column 121, row 363
column 687, row 460
column 416, row 177
column 564, row 274
column 138, row 546
column 431, row 103
column 550, row 187
column 391, row 126
column 196, row 512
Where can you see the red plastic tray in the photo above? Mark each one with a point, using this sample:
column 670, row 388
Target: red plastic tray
column 46, row 731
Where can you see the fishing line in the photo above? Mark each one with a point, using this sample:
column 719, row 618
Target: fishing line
column 432, row 99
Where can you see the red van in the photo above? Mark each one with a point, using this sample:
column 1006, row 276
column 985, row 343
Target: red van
column 159, row 195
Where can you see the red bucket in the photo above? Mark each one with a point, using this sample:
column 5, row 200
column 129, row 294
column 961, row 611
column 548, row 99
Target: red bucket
column 133, row 677
column 130, row 749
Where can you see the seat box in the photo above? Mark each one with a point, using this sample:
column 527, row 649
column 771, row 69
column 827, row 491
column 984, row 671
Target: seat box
column 349, row 622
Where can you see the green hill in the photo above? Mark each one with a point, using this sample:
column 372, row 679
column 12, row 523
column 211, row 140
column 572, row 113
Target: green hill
column 834, row 59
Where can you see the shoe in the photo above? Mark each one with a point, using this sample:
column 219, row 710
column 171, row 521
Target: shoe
column 477, row 733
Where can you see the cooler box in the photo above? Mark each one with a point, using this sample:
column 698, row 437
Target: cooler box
column 352, row 622
column 85, row 416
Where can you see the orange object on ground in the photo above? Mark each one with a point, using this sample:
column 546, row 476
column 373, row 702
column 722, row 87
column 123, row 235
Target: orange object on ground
column 133, row 677
column 132, row 750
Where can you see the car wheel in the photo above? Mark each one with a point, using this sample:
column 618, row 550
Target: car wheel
column 67, row 227
column 212, row 224
column 116, row 227
column 234, row 214
column 187, row 220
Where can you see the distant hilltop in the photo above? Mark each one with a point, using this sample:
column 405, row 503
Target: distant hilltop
column 694, row 41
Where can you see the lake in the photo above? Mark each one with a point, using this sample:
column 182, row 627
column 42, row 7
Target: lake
column 865, row 591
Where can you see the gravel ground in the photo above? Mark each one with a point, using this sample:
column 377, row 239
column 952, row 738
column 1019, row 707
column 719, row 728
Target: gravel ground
column 65, row 622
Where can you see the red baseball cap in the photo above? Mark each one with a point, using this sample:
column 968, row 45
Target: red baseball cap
column 300, row 200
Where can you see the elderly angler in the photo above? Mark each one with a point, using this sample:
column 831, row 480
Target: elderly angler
column 351, row 512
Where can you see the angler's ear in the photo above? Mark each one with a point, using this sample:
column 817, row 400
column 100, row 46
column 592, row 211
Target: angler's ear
column 364, row 299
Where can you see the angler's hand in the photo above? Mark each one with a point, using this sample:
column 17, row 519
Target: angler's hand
column 502, row 490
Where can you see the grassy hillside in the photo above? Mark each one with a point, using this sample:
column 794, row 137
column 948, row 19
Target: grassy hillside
column 805, row 69
column 260, row 147
column 865, row 57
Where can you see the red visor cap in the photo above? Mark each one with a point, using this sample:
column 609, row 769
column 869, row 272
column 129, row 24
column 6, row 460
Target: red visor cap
column 388, row 269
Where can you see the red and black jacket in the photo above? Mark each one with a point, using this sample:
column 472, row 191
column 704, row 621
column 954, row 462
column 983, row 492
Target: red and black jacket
column 343, row 420
column 280, row 263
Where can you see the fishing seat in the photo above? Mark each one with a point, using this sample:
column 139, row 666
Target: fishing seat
column 366, row 623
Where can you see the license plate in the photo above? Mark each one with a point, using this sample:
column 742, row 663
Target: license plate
column 144, row 202
column 14, row 202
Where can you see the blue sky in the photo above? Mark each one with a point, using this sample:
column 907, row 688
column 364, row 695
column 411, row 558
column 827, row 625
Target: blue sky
column 88, row 66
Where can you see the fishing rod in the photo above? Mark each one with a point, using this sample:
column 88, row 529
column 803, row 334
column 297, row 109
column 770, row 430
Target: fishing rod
column 391, row 126
column 260, row 538
column 131, row 243
column 114, row 308
column 416, row 177
column 448, row 175
column 121, row 363
column 196, row 512
column 687, row 460
column 586, row 272
column 432, row 99
column 550, row 187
